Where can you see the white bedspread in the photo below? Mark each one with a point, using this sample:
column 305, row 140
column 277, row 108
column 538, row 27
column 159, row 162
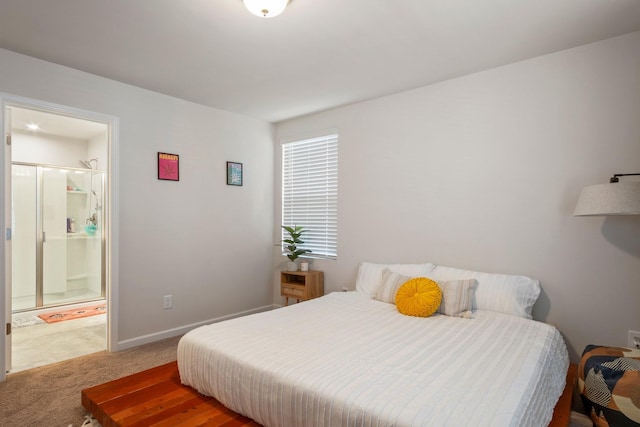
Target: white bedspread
column 347, row 360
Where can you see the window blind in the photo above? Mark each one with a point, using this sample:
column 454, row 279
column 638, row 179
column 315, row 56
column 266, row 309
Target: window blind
column 310, row 192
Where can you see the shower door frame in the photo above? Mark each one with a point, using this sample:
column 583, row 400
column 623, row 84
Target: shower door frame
column 41, row 237
column 111, row 219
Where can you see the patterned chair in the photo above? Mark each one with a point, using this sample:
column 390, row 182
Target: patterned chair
column 609, row 385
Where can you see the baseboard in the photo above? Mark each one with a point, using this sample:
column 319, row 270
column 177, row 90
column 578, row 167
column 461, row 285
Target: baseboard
column 169, row 333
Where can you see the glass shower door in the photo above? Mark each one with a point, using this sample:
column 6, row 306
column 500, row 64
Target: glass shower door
column 54, row 236
column 58, row 246
column 23, row 230
column 84, row 261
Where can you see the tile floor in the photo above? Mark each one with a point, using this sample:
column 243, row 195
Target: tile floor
column 27, row 302
column 45, row 343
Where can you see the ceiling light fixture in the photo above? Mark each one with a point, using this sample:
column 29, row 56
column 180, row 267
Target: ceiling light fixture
column 266, row 8
column 615, row 198
column 33, row 126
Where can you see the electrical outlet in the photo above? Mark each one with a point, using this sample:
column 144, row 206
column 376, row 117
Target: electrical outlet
column 168, row 301
column 634, row 339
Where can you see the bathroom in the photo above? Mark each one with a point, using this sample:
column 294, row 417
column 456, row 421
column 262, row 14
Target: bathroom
column 58, row 234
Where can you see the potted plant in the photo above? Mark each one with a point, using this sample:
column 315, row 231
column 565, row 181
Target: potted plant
column 290, row 245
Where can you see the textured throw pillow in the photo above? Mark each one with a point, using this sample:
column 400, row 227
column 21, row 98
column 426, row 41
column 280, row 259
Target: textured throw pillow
column 502, row 293
column 389, row 285
column 419, row 297
column 370, row 274
column 457, row 297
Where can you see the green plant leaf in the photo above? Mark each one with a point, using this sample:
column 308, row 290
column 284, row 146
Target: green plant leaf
column 290, row 244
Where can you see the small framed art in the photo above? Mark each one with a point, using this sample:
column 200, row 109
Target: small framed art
column 234, row 173
column 168, row 167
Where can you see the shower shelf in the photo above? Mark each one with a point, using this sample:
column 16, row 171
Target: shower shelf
column 80, row 236
column 72, row 236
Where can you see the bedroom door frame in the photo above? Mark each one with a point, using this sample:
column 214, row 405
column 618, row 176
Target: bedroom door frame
column 112, row 241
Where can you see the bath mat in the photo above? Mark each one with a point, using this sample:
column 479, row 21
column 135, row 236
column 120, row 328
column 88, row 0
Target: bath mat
column 21, row 322
column 76, row 313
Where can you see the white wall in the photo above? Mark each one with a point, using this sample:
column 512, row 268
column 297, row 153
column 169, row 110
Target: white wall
column 48, row 149
column 483, row 172
column 98, row 148
column 207, row 244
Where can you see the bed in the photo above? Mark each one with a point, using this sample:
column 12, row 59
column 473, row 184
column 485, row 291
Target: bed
column 352, row 359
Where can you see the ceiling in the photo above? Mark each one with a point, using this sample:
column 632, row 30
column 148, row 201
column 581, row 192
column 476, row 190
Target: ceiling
column 317, row 55
column 55, row 124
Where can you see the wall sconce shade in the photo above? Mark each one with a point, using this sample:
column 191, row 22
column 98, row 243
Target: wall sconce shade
column 615, row 198
column 266, row 8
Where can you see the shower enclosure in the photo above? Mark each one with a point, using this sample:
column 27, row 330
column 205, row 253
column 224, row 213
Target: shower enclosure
column 58, row 249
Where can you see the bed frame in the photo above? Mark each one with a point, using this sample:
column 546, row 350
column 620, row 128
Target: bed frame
column 157, row 397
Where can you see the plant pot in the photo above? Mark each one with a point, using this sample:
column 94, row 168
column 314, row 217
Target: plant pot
column 292, row 266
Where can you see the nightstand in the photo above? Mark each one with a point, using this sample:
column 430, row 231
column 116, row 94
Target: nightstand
column 301, row 285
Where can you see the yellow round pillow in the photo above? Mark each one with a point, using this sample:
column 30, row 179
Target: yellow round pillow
column 419, row 297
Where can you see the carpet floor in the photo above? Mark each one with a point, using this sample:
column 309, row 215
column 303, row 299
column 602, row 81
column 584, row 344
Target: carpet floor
column 50, row 395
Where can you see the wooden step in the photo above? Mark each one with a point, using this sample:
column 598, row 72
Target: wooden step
column 562, row 411
column 156, row 397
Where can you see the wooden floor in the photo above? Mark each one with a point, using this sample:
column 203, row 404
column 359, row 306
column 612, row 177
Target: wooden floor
column 157, row 398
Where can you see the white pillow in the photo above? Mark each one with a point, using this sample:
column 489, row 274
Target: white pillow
column 458, row 297
column 389, row 286
column 496, row 292
column 370, row 274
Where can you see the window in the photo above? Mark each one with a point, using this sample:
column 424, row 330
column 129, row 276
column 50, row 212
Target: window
column 310, row 192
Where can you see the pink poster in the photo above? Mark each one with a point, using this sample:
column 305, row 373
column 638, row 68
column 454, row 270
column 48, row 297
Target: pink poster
column 168, row 167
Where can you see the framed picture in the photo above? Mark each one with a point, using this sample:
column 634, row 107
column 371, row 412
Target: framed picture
column 168, row 167
column 234, row 173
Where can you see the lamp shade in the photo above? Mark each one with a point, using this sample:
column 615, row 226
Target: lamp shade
column 266, row 8
column 617, row 198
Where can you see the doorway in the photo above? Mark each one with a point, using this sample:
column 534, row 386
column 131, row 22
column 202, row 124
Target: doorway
column 58, row 239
